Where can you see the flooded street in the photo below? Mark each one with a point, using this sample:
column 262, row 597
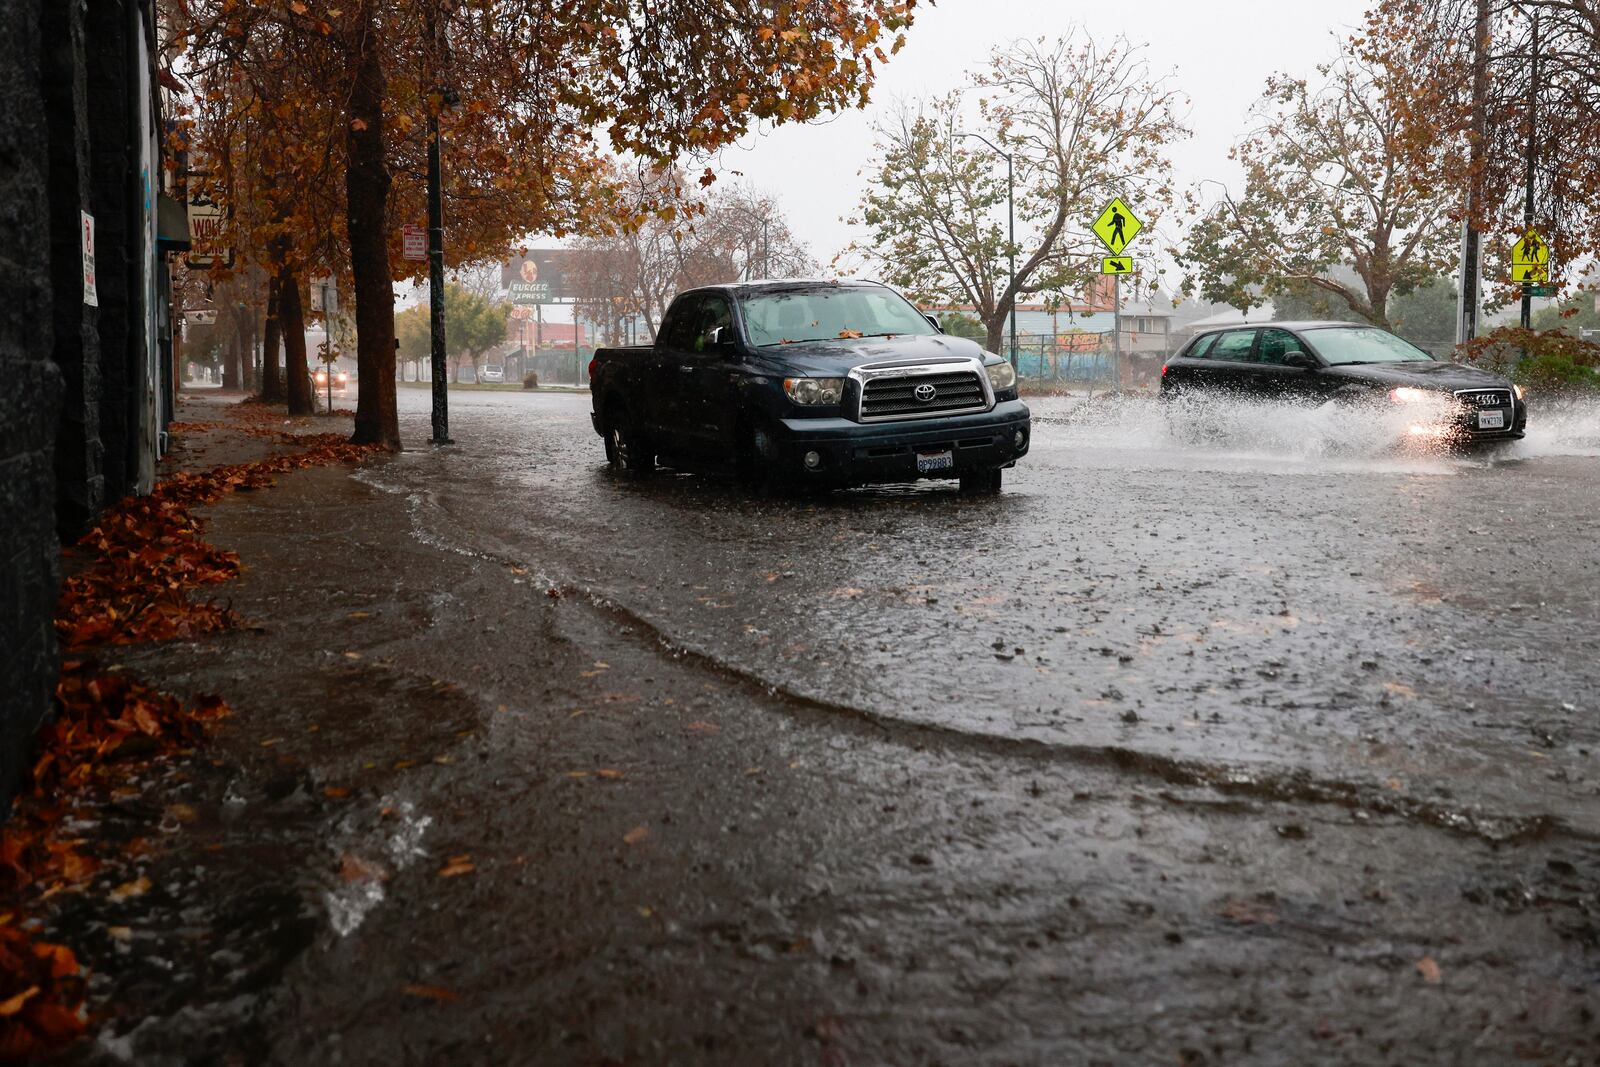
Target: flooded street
column 1272, row 597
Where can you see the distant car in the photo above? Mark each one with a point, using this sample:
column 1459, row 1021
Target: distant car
column 492, row 373
column 319, row 380
column 1313, row 363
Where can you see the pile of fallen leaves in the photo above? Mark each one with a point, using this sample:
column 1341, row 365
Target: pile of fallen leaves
column 134, row 573
column 147, row 553
column 107, row 726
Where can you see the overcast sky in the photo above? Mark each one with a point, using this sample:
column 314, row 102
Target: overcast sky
column 1219, row 53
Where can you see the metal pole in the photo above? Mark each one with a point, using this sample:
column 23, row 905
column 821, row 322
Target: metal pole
column 1527, row 207
column 441, row 397
column 1467, row 301
column 1011, row 225
column 1116, row 328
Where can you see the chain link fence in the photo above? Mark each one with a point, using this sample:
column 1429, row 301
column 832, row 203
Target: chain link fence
column 1084, row 364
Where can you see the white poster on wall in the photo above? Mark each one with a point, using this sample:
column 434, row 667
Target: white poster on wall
column 91, row 295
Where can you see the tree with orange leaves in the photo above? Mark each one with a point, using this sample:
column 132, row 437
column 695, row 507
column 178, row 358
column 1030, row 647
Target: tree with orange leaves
column 525, row 91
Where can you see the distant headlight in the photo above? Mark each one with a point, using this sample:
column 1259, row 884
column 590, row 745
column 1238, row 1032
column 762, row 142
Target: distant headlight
column 1518, row 390
column 1407, row 395
column 809, row 392
column 1001, row 376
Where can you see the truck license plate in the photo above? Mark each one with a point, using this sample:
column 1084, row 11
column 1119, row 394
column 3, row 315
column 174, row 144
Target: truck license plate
column 935, row 461
column 1491, row 420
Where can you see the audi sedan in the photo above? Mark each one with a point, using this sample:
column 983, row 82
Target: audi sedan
column 1314, row 363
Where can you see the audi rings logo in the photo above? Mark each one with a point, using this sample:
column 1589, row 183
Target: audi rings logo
column 925, row 392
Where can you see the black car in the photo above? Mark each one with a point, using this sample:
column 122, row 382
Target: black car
column 829, row 383
column 1318, row 362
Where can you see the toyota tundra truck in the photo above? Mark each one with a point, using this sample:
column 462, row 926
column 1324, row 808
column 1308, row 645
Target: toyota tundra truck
column 823, row 383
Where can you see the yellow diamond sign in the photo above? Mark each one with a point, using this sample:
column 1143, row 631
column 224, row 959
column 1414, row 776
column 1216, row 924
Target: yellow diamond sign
column 1117, row 226
column 1530, row 258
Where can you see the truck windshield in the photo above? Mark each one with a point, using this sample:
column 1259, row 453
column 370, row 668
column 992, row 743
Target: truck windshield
column 787, row 316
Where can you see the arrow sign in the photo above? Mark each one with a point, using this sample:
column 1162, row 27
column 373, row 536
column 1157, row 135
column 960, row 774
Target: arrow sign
column 1117, row 226
column 1116, row 265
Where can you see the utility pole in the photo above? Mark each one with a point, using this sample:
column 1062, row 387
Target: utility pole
column 1533, row 120
column 441, row 396
column 1467, row 299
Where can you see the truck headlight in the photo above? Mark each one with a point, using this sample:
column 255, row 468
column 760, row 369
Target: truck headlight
column 809, row 392
column 1001, row 376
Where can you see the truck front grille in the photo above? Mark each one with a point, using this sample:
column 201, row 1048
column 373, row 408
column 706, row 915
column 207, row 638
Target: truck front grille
column 912, row 396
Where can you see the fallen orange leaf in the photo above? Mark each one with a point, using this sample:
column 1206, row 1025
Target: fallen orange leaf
column 457, row 865
column 636, row 835
column 431, row 992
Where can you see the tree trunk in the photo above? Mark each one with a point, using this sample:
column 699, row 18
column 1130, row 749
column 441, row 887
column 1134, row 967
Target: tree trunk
column 271, row 381
column 250, row 370
column 366, row 210
column 230, row 358
column 291, row 316
column 994, row 333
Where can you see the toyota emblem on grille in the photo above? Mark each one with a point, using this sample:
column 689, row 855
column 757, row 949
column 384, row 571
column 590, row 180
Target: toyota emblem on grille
column 925, row 392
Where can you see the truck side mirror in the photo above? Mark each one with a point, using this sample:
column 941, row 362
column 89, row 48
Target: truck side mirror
column 933, row 322
column 722, row 339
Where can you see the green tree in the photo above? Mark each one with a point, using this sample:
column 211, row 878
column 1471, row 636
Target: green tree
column 473, row 325
column 959, row 325
column 1426, row 315
column 1580, row 311
column 1082, row 122
column 411, row 331
column 1297, row 301
column 1331, row 182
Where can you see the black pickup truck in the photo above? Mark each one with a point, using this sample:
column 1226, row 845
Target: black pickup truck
column 828, row 383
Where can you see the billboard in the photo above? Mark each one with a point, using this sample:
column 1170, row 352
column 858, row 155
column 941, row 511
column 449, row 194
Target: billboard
column 539, row 277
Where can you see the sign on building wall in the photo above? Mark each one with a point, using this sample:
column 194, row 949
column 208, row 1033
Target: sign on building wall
column 91, row 295
column 208, row 229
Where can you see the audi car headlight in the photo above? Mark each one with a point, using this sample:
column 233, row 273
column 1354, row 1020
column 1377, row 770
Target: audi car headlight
column 810, row 392
column 1001, row 376
column 1407, row 395
column 1518, row 390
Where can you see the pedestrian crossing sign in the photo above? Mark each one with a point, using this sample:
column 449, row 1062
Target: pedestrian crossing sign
column 1530, row 258
column 1117, row 226
column 1116, row 265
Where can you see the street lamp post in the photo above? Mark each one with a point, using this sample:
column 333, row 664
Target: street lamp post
column 441, row 402
column 1011, row 232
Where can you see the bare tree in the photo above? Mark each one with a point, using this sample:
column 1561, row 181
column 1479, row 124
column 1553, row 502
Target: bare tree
column 1082, row 122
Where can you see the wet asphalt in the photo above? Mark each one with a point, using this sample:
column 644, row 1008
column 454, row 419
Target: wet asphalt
column 1253, row 741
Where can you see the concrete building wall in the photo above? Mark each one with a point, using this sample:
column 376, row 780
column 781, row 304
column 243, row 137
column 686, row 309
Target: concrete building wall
column 30, row 397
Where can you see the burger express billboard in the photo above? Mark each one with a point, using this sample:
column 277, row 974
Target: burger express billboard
column 537, row 277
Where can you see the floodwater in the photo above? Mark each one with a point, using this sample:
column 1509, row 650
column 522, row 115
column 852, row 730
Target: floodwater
column 1278, row 598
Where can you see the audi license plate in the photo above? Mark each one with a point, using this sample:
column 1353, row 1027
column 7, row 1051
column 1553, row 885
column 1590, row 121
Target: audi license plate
column 1491, row 420
column 935, row 461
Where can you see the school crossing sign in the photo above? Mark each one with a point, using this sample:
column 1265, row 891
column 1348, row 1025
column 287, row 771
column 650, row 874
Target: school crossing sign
column 1530, row 258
